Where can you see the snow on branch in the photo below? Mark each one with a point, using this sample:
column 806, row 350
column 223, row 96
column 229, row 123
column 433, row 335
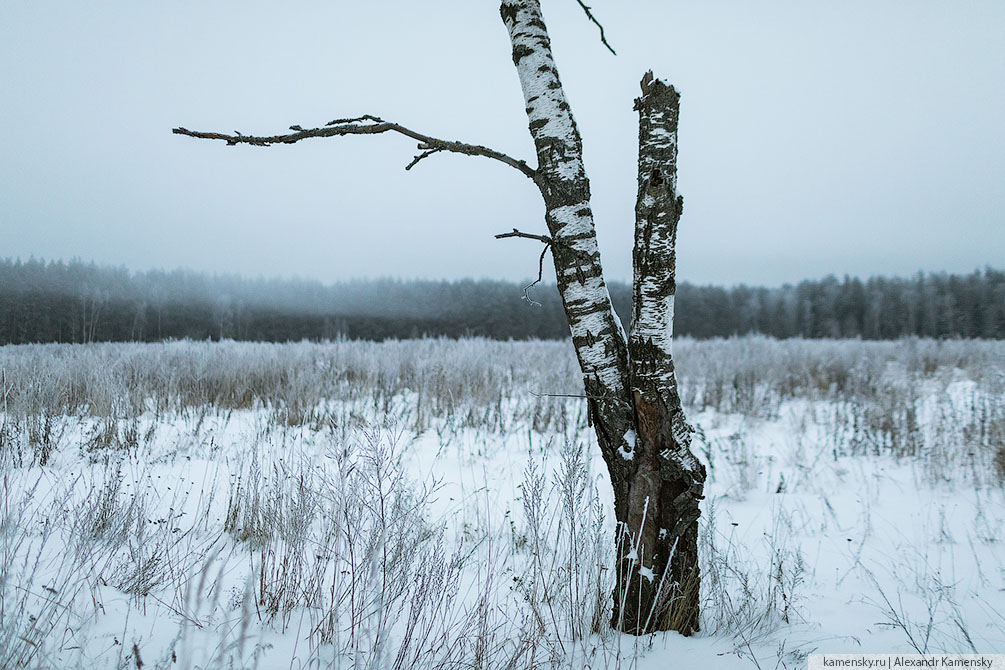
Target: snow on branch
column 366, row 125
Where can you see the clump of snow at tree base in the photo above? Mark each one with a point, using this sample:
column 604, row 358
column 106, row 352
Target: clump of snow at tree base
column 427, row 504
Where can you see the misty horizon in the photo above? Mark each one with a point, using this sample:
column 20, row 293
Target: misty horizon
column 80, row 302
column 861, row 139
column 515, row 279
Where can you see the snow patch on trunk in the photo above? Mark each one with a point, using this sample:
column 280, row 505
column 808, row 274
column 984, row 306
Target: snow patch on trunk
column 627, row 448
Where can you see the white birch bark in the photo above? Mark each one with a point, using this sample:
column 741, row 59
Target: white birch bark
column 634, row 405
column 658, row 209
column 669, row 480
column 597, row 334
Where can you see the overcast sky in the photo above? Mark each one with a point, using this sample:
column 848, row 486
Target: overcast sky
column 863, row 136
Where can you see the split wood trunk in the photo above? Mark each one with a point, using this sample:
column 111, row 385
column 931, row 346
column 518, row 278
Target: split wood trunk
column 629, row 379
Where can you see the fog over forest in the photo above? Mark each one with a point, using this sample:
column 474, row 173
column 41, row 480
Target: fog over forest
column 82, row 302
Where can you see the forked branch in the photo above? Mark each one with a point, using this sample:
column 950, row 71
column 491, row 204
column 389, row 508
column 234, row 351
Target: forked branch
column 365, row 125
column 540, row 262
column 549, row 242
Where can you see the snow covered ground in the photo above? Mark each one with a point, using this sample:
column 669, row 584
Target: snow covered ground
column 429, row 504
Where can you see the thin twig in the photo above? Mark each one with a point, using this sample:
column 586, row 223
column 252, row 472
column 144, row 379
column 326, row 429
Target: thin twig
column 540, row 263
column 540, row 272
column 568, row 395
column 590, row 16
column 365, row 125
column 425, row 154
column 548, row 243
column 558, row 242
column 529, row 236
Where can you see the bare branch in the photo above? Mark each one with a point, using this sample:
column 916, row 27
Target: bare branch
column 547, row 241
column 590, row 16
column 569, row 395
column 540, row 262
column 517, row 233
column 355, row 119
column 365, row 125
column 425, row 154
column 540, row 272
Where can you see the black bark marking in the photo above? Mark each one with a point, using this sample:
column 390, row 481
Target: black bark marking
column 520, row 51
column 508, row 13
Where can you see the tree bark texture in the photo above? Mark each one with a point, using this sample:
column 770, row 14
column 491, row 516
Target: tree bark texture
column 597, row 334
column 665, row 488
column 634, row 405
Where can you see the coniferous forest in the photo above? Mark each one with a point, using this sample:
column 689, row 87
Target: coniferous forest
column 82, row 302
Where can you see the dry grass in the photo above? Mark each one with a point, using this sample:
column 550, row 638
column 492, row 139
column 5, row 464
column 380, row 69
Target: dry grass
column 341, row 547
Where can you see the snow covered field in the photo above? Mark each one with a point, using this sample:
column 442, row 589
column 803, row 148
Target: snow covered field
column 436, row 503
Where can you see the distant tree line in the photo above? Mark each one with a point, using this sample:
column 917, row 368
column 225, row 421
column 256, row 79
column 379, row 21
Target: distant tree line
column 81, row 302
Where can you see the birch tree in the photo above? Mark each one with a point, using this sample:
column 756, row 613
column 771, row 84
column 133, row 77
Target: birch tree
column 629, row 381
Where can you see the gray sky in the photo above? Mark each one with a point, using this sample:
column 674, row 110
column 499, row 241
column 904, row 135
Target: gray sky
column 862, row 137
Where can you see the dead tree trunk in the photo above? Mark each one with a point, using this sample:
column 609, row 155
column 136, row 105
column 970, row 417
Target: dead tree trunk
column 634, row 406
column 668, row 475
